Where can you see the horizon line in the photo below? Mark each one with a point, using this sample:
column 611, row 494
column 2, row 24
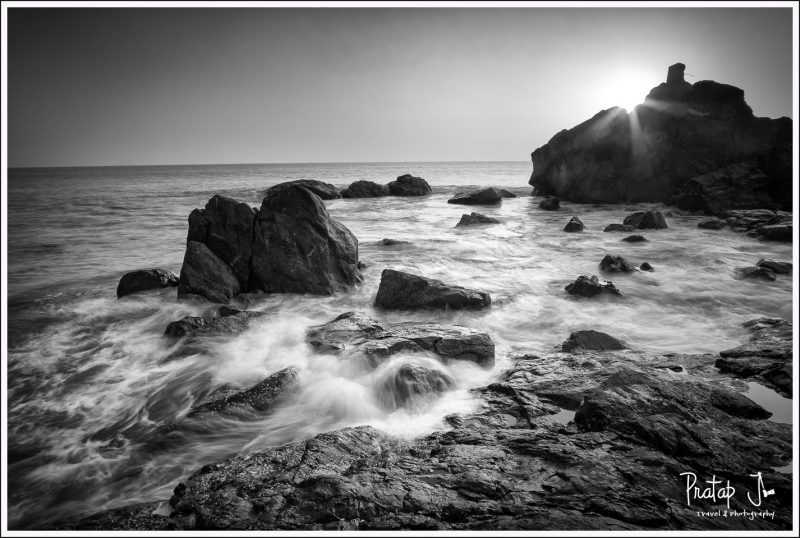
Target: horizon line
column 259, row 163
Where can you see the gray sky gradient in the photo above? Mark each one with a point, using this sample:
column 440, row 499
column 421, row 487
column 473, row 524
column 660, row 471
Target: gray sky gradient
column 111, row 86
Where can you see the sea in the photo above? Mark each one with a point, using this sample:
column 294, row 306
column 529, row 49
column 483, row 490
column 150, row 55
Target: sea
column 92, row 381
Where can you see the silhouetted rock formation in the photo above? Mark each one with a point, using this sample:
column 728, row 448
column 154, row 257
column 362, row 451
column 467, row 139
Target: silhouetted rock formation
column 399, row 290
column 365, row 189
column 145, row 279
column 487, row 196
column 682, row 131
column 326, row 191
column 738, row 186
column 408, row 185
column 476, row 218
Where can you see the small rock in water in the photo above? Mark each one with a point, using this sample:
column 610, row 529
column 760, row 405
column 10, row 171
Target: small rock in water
column 488, row 196
column 229, row 322
column 365, row 189
column 755, row 272
column 780, row 268
column 615, row 264
column 591, row 340
column 260, row 397
column 646, row 220
column 145, row 279
column 776, row 232
column 550, row 203
column 476, row 218
column 646, row 267
column 586, row 286
column 392, row 242
column 412, row 385
column 399, row 290
column 635, row 239
column 712, row 224
column 574, row 225
column 408, row 185
column 619, row 228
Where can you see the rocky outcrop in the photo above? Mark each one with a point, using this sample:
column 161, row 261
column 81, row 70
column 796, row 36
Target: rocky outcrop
column 591, row 340
column 737, row 186
column 408, row 185
column 403, row 291
column 204, row 274
column 326, row 191
column 574, row 225
column 356, row 332
column 365, row 189
column 487, row 196
column 616, row 264
column 619, row 228
column 586, row 286
column 550, row 203
column 681, row 132
column 646, row 220
column 779, row 268
column 145, row 279
column 475, row 218
column 413, row 386
column 232, row 324
column 635, row 239
column 260, row 397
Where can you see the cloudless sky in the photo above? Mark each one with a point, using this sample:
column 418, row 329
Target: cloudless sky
column 112, row 86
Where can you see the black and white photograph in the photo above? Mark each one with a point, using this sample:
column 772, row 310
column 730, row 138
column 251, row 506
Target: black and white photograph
column 399, row 268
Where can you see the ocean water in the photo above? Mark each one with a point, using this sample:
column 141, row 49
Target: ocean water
column 93, row 385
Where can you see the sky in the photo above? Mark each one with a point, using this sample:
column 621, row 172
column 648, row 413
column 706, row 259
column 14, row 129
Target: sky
column 114, row 86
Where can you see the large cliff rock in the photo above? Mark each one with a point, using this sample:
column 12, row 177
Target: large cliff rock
column 680, row 132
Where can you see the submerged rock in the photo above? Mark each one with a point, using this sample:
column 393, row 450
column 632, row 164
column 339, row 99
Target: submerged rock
column 755, row 272
column 353, row 331
column 487, row 196
column 408, row 185
column 574, row 225
column 635, row 239
column 780, row 268
column 619, row 228
column 145, row 279
column 326, row 191
column 476, row 218
column 646, row 267
column 260, row 397
column 392, row 242
column 399, row 290
column 204, row 274
column 591, row 340
column 229, row 323
column 412, row 386
column 646, row 220
column 550, row 203
column 712, row 224
column 365, row 189
column 616, row 264
column 589, row 287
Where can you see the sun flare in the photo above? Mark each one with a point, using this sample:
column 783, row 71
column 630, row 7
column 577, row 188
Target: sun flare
column 628, row 89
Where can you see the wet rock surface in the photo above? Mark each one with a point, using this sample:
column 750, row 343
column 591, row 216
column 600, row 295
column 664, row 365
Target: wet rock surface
column 260, row 397
column 408, row 185
column 615, row 227
column 326, row 191
column 646, row 267
column 737, row 186
column 550, row 203
column 487, row 196
column 712, row 224
column 591, row 340
column 475, row 218
column 357, row 332
column 779, row 268
column 365, row 189
column 753, row 272
column 204, row 274
column 413, row 386
column 586, row 286
column 616, row 264
column 232, row 324
column 646, row 220
column 404, row 291
column 145, row 279
column 574, row 225
column 635, row 239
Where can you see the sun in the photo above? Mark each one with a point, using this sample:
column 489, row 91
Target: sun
column 626, row 89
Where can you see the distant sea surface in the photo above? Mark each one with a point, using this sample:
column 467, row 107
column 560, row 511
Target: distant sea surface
column 91, row 379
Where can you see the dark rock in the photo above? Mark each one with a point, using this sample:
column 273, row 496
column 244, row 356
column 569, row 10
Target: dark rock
column 550, row 203
column 412, row 386
column 780, row 268
column 592, row 340
column 712, row 224
column 755, row 272
column 574, row 225
column 487, row 196
column 225, row 310
column 326, row 191
column 589, row 287
column 738, row 405
column 635, row 239
column 408, row 185
column 361, row 265
column 737, row 186
column 299, row 248
column 145, row 279
column 646, row 267
column 392, row 242
column 506, row 193
column 228, row 323
column 476, row 218
column 206, row 275
column 646, row 220
column 399, row 290
column 354, row 331
column 776, row 232
column 615, row 264
column 619, row 228
column 260, row 397
column 365, row 189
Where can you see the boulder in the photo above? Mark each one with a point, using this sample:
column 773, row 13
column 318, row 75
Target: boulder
column 412, row 386
column 736, row 186
column 550, row 203
column 326, row 191
column 574, row 225
column 299, row 248
column 591, row 340
column 392, row 242
column 206, row 275
column 145, row 279
column 755, row 272
column 776, row 232
column 646, row 220
column 635, row 239
column 619, row 228
column 615, row 264
column 408, row 185
column 779, row 268
column 487, row 196
column 591, row 286
column 356, row 332
column 230, row 323
column 475, row 218
column 712, row 224
column 399, row 290
column 260, row 397
column 365, row 189
column 506, row 193
column 646, row 267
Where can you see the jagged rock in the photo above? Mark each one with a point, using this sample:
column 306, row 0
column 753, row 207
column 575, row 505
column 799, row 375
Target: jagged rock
column 399, row 290
column 737, row 186
column 646, row 267
column 646, row 220
column 487, row 196
column 354, row 331
column 392, row 242
column 206, row 275
column 550, row 203
column 712, row 224
column 145, row 279
column 589, row 287
column 635, row 239
column 408, row 185
column 475, row 218
column 574, row 225
column 619, row 228
column 755, row 272
column 776, row 232
column 326, row 191
column 365, row 189
column 682, row 131
column 261, row 397
column 413, row 386
column 592, row 340
column 616, row 264
column 779, row 268
column 299, row 248
column 228, row 323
